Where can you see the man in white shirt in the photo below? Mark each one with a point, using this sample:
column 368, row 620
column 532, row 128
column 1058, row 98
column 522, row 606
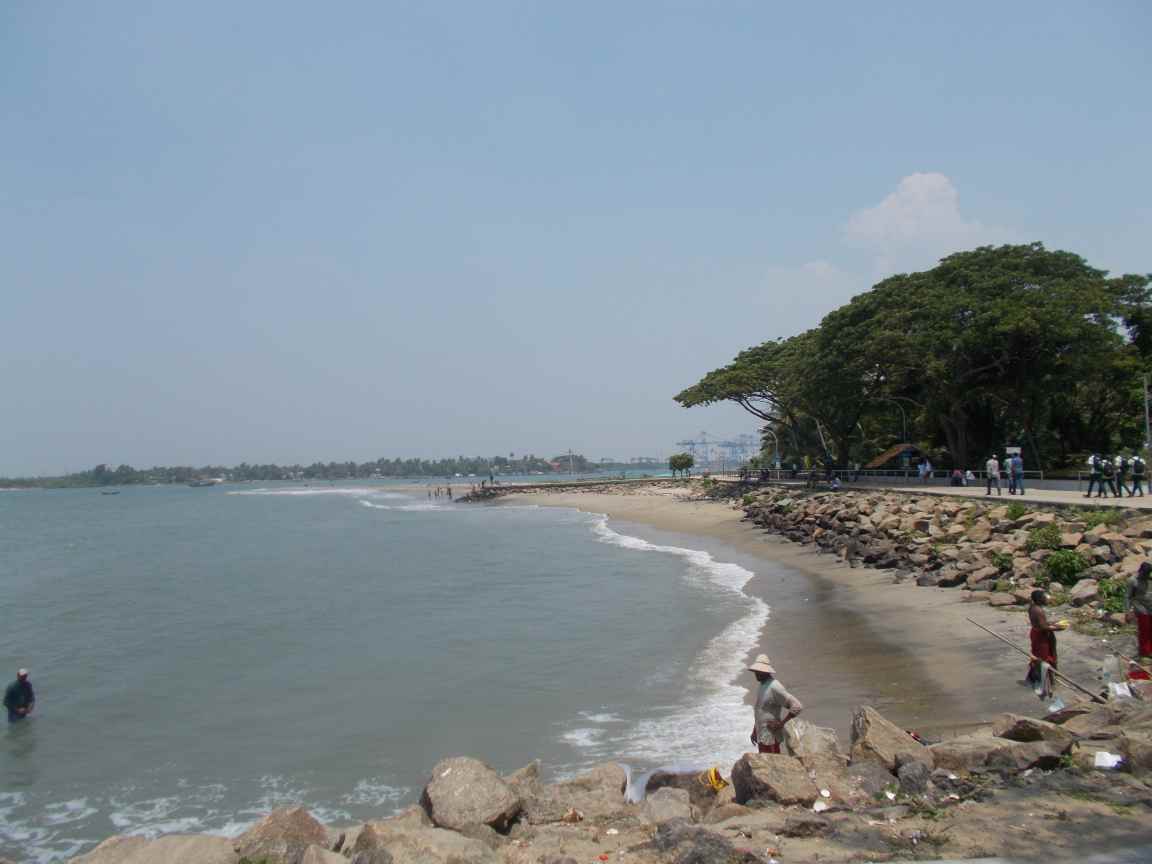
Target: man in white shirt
column 773, row 708
column 992, row 471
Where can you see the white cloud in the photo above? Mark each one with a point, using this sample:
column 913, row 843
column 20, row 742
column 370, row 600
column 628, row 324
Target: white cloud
column 916, row 225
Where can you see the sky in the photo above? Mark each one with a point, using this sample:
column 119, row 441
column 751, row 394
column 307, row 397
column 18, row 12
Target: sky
column 288, row 232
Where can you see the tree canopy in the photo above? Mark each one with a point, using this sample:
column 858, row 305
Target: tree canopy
column 998, row 345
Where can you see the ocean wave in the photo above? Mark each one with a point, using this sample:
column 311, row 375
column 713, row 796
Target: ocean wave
column 407, row 508
column 357, row 491
column 712, row 725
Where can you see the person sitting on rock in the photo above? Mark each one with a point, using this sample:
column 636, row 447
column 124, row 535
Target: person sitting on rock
column 773, row 708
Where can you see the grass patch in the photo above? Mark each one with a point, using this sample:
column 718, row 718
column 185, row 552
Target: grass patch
column 1064, row 566
column 1002, row 561
column 1113, row 593
column 1043, row 537
column 1092, row 518
column 1016, row 510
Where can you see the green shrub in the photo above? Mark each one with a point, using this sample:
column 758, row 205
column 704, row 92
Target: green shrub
column 1016, row 510
column 1003, row 585
column 1002, row 561
column 748, row 500
column 1113, row 593
column 1043, row 537
column 1092, row 518
column 1065, row 566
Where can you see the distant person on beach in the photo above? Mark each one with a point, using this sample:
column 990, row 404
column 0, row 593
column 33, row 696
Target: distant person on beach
column 969, row 477
column 1138, row 602
column 773, row 708
column 992, row 472
column 957, row 477
column 19, row 698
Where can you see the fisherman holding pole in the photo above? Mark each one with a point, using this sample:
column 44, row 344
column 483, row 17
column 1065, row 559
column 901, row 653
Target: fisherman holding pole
column 773, row 708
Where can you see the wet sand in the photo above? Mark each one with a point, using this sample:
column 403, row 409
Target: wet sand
column 842, row 637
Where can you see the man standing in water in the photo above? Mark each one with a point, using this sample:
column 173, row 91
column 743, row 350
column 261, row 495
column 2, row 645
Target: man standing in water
column 19, row 698
column 773, row 708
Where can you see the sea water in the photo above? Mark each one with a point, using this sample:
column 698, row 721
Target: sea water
column 203, row 655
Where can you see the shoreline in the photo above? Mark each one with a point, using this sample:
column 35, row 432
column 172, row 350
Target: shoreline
column 843, row 637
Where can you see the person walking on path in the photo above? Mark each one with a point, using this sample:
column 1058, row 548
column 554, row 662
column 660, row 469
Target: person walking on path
column 1095, row 476
column 773, row 708
column 1138, row 603
column 1016, row 467
column 1122, row 469
column 1138, row 469
column 992, row 470
column 1108, row 468
column 19, row 698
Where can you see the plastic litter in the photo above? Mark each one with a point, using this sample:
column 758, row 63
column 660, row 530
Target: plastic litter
column 612, row 832
column 1055, row 705
column 1119, row 691
column 891, row 796
column 824, row 793
column 1104, row 759
column 819, row 806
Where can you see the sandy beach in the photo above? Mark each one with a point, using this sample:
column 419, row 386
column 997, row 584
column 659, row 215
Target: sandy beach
column 842, row 637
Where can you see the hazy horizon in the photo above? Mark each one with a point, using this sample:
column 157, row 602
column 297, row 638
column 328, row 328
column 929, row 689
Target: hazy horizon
column 274, row 233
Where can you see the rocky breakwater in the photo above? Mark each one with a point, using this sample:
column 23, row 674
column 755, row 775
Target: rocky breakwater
column 997, row 552
column 887, row 795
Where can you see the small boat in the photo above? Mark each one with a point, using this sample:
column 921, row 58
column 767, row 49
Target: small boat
column 198, row 483
column 109, row 491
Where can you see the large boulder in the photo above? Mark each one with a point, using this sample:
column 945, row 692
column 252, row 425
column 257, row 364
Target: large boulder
column 598, row 794
column 465, row 791
column 281, row 837
column 683, row 843
column 808, row 739
column 1084, row 591
column 1016, row 727
column 876, row 738
column 320, row 855
column 701, row 794
column 667, row 803
column 174, row 849
column 434, row 846
column 977, row 752
column 773, row 777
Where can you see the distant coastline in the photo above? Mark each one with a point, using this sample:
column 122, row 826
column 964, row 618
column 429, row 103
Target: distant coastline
column 457, row 468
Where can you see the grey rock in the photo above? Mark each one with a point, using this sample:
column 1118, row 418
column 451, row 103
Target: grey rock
column 464, row 791
column 683, row 843
column 667, row 803
column 876, row 738
column 914, row 778
column 282, row 837
column 806, row 825
column 174, row 849
column 772, row 777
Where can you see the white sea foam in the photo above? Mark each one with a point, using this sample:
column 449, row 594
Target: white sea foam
column 583, row 738
column 408, row 508
column 374, row 792
column 712, row 726
column 601, row 717
column 358, row 491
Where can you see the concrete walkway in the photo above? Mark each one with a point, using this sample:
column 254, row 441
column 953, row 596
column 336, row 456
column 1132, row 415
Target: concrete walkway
column 1040, row 496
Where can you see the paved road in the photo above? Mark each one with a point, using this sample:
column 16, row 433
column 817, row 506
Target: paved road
column 1141, row 855
column 1040, row 496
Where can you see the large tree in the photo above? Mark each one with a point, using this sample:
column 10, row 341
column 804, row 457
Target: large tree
column 1009, row 344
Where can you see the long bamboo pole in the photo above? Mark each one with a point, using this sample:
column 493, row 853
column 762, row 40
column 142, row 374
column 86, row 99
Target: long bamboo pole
column 1093, row 696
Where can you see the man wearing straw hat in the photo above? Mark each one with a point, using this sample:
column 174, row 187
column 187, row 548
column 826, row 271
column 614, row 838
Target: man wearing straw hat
column 773, row 708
